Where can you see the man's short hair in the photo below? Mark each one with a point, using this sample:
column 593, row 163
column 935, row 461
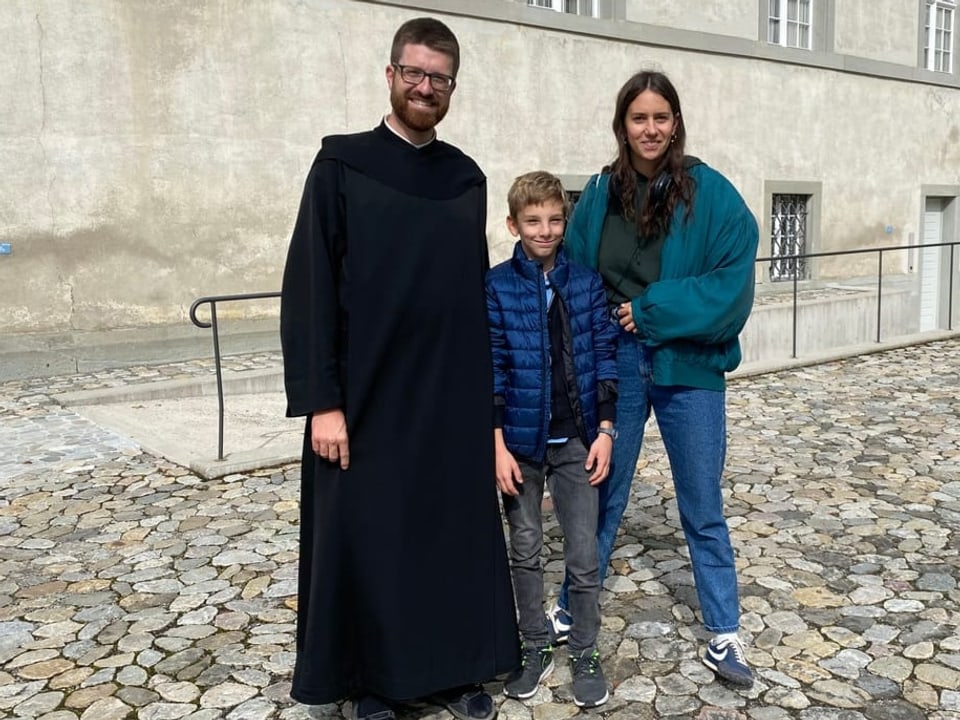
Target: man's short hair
column 536, row 188
column 430, row 32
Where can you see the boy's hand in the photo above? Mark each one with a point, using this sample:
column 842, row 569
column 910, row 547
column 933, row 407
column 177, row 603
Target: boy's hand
column 508, row 471
column 599, row 458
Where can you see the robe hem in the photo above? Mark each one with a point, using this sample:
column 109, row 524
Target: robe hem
column 327, row 698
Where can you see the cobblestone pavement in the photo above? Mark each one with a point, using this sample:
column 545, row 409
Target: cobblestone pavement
column 131, row 589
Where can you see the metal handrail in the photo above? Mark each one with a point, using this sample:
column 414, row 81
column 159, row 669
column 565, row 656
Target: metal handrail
column 860, row 251
column 212, row 301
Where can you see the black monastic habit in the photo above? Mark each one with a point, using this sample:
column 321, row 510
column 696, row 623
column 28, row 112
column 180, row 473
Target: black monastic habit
column 404, row 585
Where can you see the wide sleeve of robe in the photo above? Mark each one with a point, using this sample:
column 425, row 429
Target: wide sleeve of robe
column 310, row 307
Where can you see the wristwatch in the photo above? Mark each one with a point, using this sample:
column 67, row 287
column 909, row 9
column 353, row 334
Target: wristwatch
column 612, row 432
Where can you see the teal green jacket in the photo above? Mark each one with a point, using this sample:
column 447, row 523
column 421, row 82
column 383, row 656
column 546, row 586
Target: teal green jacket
column 692, row 316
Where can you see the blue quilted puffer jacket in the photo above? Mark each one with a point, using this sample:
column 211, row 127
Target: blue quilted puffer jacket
column 517, row 311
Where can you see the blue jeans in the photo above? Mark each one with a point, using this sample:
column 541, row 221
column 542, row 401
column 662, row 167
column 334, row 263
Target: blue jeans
column 693, row 426
column 575, row 501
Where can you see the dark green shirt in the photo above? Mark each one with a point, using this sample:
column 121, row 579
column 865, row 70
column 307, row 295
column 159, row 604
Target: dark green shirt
column 626, row 262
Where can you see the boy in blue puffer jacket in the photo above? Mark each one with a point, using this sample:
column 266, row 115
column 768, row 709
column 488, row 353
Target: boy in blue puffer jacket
column 555, row 390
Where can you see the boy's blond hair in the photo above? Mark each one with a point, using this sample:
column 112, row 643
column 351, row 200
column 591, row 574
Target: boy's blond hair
column 536, row 188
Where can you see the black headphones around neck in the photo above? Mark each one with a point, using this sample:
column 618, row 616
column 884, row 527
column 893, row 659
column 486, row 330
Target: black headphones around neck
column 659, row 187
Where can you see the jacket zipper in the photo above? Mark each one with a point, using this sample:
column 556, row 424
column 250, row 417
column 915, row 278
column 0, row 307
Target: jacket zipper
column 545, row 364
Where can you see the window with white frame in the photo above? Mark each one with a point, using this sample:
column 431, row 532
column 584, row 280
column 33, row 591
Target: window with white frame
column 789, row 23
column 938, row 35
column 574, row 7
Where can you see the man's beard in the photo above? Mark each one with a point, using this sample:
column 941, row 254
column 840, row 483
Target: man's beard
column 416, row 117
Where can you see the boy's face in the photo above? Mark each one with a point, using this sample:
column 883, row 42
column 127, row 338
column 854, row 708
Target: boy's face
column 540, row 228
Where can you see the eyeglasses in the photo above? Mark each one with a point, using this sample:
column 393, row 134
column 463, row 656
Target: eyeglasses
column 414, row 76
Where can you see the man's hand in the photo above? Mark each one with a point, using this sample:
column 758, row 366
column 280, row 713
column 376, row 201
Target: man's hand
column 328, row 436
column 508, row 471
column 598, row 459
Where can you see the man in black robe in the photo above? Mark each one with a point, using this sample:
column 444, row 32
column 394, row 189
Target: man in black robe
column 404, row 588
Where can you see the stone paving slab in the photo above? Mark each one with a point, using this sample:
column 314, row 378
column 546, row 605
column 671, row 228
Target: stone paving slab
column 61, row 422
column 184, row 430
column 132, row 588
column 178, row 419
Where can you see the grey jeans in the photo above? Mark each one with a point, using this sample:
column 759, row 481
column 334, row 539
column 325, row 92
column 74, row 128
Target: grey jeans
column 576, row 504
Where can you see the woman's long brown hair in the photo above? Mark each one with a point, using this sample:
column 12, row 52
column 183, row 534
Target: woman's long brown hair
column 654, row 217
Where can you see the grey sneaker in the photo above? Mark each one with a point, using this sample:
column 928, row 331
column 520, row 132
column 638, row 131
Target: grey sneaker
column 536, row 665
column 589, row 685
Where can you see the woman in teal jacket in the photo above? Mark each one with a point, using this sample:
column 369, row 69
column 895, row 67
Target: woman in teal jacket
column 675, row 244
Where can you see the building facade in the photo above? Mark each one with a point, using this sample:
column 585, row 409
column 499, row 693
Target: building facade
column 154, row 152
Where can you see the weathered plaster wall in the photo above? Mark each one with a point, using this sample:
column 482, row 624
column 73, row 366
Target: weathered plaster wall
column 863, row 30
column 737, row 19
column 154, row 151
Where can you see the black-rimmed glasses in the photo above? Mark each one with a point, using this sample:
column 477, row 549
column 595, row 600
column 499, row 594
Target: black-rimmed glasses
column 414, row 76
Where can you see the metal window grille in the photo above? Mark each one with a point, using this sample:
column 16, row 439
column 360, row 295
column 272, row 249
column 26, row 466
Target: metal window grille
column 938, row 36
column 788, row 236
column 788, row 23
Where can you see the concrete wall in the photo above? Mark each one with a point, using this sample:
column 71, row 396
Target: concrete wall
column 843, row 316
column 154, row 152
column 736, row 18
column 863, row 29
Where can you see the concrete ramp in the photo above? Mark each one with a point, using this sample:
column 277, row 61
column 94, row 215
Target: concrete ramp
column 178, row 420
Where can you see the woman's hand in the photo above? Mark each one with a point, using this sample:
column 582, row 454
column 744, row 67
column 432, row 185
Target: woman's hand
column 625, row 316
